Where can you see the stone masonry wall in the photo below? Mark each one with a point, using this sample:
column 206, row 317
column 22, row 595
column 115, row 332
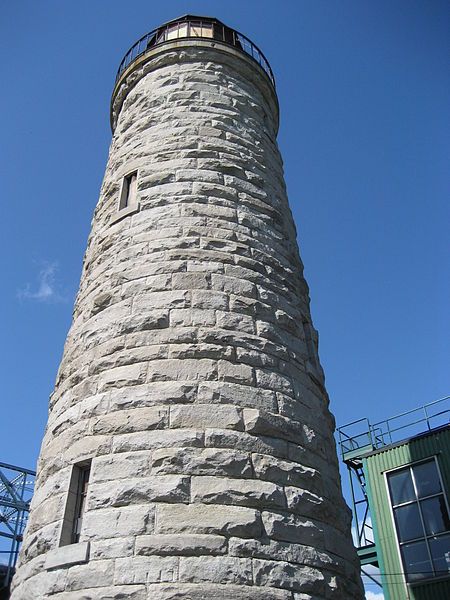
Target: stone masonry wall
column 190, row 374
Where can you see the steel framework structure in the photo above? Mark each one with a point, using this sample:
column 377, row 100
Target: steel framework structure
column 16, row 490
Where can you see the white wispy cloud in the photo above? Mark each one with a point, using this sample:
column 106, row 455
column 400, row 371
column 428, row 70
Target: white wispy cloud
column 375, row 573
column 374, row 596
column 47, row 288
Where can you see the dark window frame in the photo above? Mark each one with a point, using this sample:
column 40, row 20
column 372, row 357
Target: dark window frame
column 412, row 578
column 128, row 191
column 84, row 472
column 76, row 503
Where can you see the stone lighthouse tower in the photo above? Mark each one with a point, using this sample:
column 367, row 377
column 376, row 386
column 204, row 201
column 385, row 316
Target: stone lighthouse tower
column 189, row 452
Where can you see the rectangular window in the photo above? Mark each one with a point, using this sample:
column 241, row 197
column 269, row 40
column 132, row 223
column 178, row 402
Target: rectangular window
column 310, row 345
column 76, row 504
column 83, row 481
column 128, row 192
column 421, row 520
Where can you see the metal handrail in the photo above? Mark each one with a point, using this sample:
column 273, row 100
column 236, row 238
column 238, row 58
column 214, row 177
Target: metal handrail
column 195, row 28
column 383, row 432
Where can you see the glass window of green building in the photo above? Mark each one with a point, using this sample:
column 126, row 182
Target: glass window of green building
column 421, row 517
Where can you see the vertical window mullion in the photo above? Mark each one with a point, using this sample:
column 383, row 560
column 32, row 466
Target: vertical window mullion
column 413, row 476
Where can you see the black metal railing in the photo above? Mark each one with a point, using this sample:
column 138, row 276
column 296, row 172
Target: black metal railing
column 195, row 28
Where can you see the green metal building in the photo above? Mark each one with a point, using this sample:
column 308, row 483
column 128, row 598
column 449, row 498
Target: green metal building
column 400, row 484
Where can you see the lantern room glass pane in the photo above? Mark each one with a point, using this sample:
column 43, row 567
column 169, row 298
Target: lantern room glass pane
column 435, row 515
column 427, row 479
column 440, row 553
column 401, row 487
column 201, row 30
column 408, row 521
column 179, row 30
column 416, row 561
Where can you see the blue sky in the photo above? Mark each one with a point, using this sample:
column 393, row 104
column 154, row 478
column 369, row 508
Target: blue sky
column 364, row 90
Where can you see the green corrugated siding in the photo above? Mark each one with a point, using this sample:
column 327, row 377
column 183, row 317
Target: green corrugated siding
column 374, row 467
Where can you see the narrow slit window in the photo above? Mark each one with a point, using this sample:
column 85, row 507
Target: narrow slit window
column 83, row 481
column 310, row 345
column 76, row 504
column 128, row 193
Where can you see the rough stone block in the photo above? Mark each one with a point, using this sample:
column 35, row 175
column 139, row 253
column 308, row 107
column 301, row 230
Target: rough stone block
column 41, row 585
column 286, row 575
column 152, row 319
column 258, row 422
column 97, row 573
column 128, row 592
column 285, row 472
column 239, row 492
column 123, row 376
column 179, row 369
column 305, row 503
column 204, row 461
column 189, row 281
column 235, row 322
column 236, row 373
column 206, row 415
column 67, row 555
column 225, row 438
column 167, row 300
column 291, row 528
column 153, row 393
column 274, row 381
column 286, row 551
column 211, row 300
column 213, row 351
column 112, row 467
column 127, row 421
column 112, row 548
column 196, row 591
column 149, row 440
column 221, row 569
column 199, row 518
column 145, row 569
column 186, row 317
column 180, row 544
column 159, row 488
column 118, row 522
column 233, row 285
column 238, row 394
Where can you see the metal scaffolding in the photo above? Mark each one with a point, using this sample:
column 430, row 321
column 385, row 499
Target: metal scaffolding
column 16, row 490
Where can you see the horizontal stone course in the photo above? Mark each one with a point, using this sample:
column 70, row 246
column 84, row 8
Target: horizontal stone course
column 180, row 544
column 225, row 570
column 201, row 461
column 238, row 492
column 199, row 518
column 145, row 569
column 206, row 415
column 142, row 490
column 211, row 591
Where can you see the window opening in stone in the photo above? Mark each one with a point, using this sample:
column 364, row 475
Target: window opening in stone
column 421, row 517
column 310, row 345
column 76, row 504
column 128, row 193
column 83, row 482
